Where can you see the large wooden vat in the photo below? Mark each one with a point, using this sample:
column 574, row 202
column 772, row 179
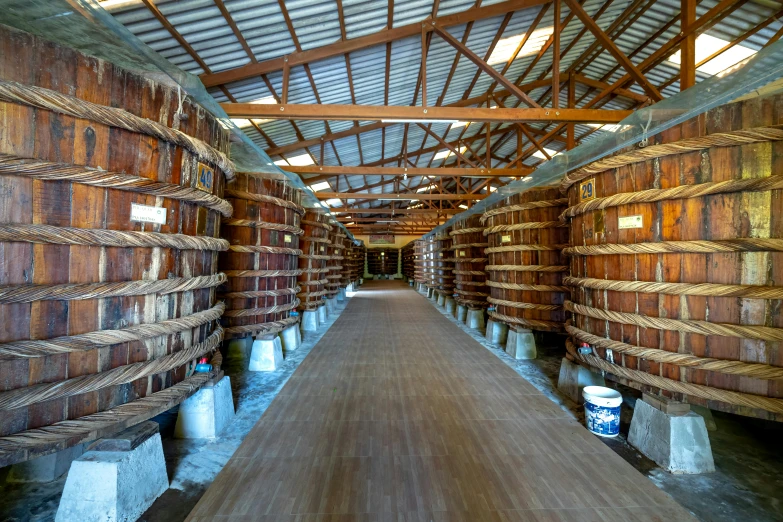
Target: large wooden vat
column 430, row 275
column 677, row 261
column 102, row 302
column 419, row 262
column 313, row 259
column 345, row 280
column 408, row 257
column 335, row 249
column 525, row 263
column 443, row 265
column 382, row 261
column 355, row 259
column 262, row 263
column 470, row 279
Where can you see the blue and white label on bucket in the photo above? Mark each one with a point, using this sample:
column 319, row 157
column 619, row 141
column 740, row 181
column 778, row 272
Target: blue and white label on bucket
column 602, row 420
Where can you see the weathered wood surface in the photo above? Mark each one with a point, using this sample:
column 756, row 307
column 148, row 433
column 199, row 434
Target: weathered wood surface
column 716, row 217
column 420, row 262
column 468, row 245
column 313, row 245
column 443, row 264
column 42, row 134
column 408, row 258
column 382, row 261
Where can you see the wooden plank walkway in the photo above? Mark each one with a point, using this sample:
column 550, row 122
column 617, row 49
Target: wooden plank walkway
column 398, row 415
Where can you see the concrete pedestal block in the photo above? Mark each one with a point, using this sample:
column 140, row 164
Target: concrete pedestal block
column 349, row 288
column 475, row 319
column 521, row 344
column 115, row 482
column 431, row 293
column 361, row 281
column 323, row 314
column 290, row 338
column 45, row 469
column 706, row 413
column 497, row 333
column 309, row 322
column 239, row 348
column 450, row 304
column 677, row 443
column 341, row 295
column 267, row 354
column 441, row 299
column 331, row 305
column 573, row 377
column 207, row 412
column 461, row 313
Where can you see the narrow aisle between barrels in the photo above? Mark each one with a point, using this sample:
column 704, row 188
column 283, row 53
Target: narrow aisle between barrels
column 397, row 414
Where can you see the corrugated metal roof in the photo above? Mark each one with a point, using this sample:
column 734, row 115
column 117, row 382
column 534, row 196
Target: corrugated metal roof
column 317, row 23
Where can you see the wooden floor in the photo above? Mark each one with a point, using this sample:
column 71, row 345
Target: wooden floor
column 398, row 415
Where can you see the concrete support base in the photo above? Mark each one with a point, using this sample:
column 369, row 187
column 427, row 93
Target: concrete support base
column 449, row 304
column 431, row 293
column 573, row 377
column 341, row 295
column 677, row 443
column 706, row 413
column 116, row 481
column 309, row 322
column 291, row 338
column 462, row 313
column 475, row 319
column 521, row 344
column 349, row 288
column 323, row 314
column 239, row 348
column 441, row 299
column 267, row 354
column 361, row 281
column 410, row 283
column 45, row 469
column 331, row 305
column 207, row 412
column 497, row 333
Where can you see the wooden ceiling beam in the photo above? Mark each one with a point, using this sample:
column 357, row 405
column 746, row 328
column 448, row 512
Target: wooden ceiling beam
column 446, row 172
column 354, row 44
column 402, row 113
column 380, row 210
column 423, row 196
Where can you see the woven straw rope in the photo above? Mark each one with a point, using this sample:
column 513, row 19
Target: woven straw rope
column 10, row 232
column 263, row 198
column 246, row 312
column 701, row 289
column 744, row 244
column 695, row 390
column 466, row 231
column 535, row 324
column 80, row 291
column 50, row 171
column 250, row 294
column 523, row 306
column 270, row 327
column 54, row 101
column 718, row 139
column 526, row 268
column 523, row 206
column 267, row 273
column 524, row 226
column 263, row 224
column 763, row 333
column 469, row 272
column 528, row 288
column 263, row 249
column 524, row 248
column 316, row 224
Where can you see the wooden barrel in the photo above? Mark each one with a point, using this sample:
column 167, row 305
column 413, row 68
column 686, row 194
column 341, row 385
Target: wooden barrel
column 408, row 256
column 525, row 263
column 262, row 261
column 345, row 280
column 109, row 222
column 355, row 259
column 443, row 264
column 677, row 261
column 419, row 261
column 430, row 276
column 335, row 250
column 470, row 279
column 382, row 261
column 312, row 261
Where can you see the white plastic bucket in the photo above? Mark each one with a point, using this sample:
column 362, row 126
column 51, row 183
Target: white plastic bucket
column 602, row 410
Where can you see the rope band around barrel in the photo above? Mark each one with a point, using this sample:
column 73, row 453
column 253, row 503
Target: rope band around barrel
column 60, row 103
column 469, row 245
column 524, row 226
column 263, row 198
column 252, row 294
column 681, row 192
column 534, row 324
column 525, row 268
column 37, row 393
column 92, row 340
column 312, row 239
column 470, row 272
column 762, row 333
column 695, row 390
column 316, row 224
column 745, row 244
column 718, row 139
column 314, row 257
column 524, row 206
column 246, row 312
column 524, row 306
column 463, row 301
column 263, row 224
column 265, row 273
column 270, row 327
column 48, row 234
column 314, row 283
column 700, row 289
column 468, row 292
column 314, row 270
column 730, row 367
column 470, row 283
column 525, row 248
column 458, row 260
column 263, row 249
column 528, row 288
column 50, row 171
column 466, row 231
column 81, row 291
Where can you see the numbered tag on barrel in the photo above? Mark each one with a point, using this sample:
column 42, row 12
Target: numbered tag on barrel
column 587, row 189
column 205, row 177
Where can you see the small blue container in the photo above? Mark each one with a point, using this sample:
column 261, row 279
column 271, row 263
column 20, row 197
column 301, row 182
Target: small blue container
column 602, row 410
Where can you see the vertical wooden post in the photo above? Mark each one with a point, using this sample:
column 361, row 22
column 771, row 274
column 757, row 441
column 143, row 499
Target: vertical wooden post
column 321, row 159
column 519, row 142
column 423, row 65
column 688, row 45
column 570, row 128
column 556, row 58
column 286, row 75
column 489, row 142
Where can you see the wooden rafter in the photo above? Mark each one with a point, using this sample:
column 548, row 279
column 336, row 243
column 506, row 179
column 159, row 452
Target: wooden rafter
column 447, row 172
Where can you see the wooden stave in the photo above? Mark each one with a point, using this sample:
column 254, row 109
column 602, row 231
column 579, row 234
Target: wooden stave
column 419, row 247
column 719, row 216
column 470, row 252
column 536, row 237
column 30, row 60
column 312, row 248
column 443, row 264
